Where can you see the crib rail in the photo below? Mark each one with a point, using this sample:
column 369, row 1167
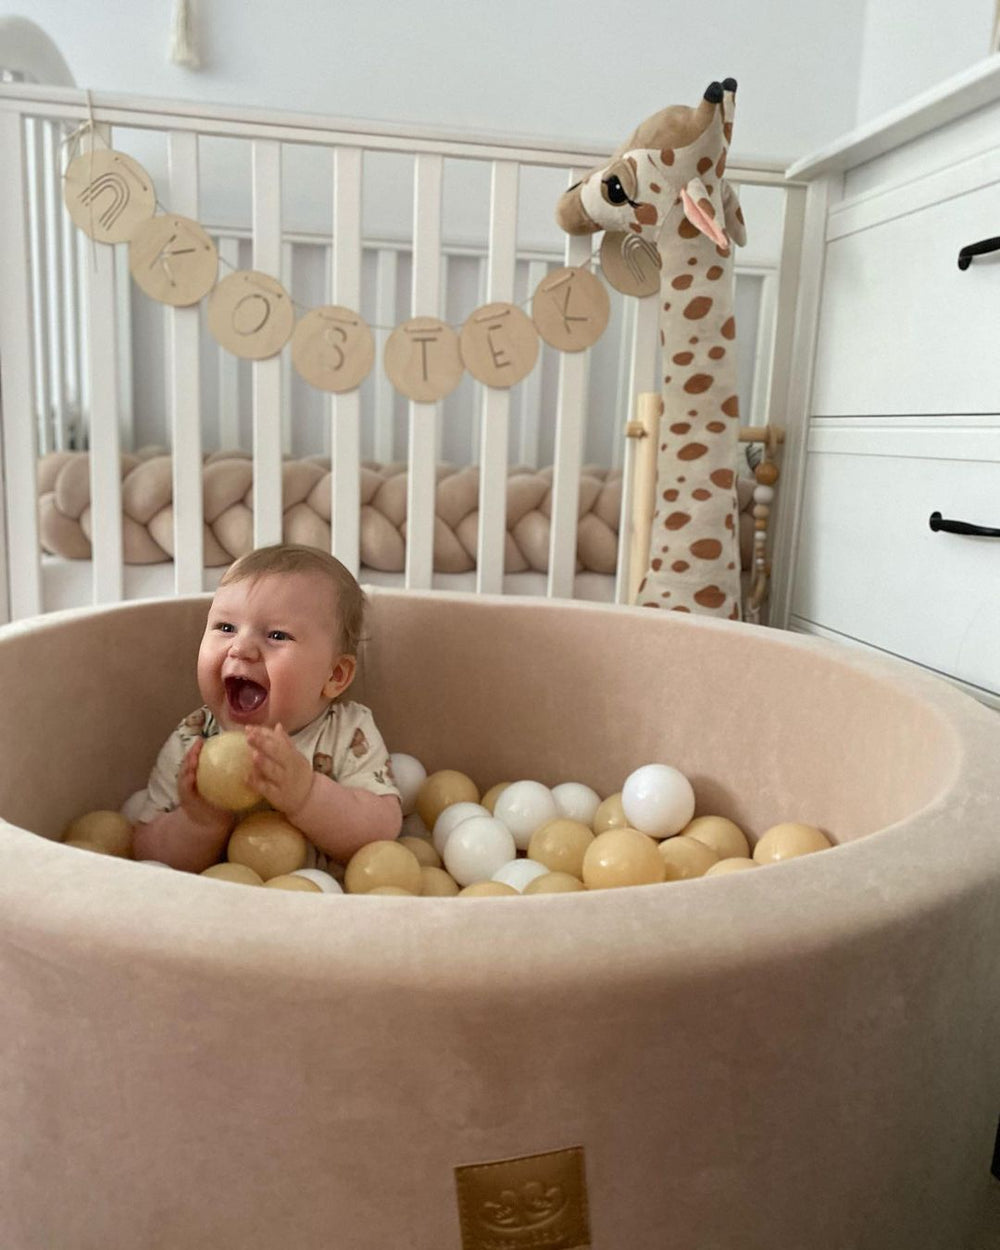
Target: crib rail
column 75, row 343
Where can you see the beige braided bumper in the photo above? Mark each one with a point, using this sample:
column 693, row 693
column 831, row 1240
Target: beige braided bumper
column 147, row 507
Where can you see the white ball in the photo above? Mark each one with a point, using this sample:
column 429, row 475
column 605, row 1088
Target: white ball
column 450, row 819
column 524, row 807
column 575, row 801
column 657, row 800
column 519, row 872
column 409, row 775
column 477, row 848
column 328, row 884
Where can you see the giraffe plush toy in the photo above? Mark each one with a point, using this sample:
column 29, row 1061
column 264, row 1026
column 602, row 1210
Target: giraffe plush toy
column 665, row 187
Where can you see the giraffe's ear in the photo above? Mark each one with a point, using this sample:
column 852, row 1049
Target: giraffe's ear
column 701, row 212
column 736, row 225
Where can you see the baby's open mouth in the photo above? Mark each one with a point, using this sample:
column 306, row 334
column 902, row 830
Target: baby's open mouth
column 244, row 696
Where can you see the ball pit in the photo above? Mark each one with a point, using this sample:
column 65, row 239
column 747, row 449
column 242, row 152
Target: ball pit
column 187, row 1061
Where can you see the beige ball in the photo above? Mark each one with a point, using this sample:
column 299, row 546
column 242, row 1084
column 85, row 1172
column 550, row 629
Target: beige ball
column 436, row 883
column 223, row 771
column 725, row 866
column 560, row 845
column 489, row 799
column 441, row 790
column 685, row 858
column 426, row 855
column 382, row 863
column 238, row 873
column 724, row 836
column 105, row 831
column 488, row 889
column 289, row 882
column 789, row 840
column 396, row 890
column 622, row 857
column 80, row 845
column 610, row 814
column 554, row 883
column 269, row 844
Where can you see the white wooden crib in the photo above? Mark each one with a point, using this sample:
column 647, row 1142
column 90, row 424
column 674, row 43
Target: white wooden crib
column 389, row 219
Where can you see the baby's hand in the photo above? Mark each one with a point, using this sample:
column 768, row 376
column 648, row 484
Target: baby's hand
column 197, row 808
column 280, row 773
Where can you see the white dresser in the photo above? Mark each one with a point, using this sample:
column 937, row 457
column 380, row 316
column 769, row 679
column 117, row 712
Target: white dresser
column 902, row 374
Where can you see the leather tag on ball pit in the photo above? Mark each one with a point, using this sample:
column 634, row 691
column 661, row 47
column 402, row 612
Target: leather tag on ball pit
column 524, row 1203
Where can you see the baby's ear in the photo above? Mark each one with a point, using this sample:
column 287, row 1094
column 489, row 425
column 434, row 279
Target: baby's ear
column 341, row 676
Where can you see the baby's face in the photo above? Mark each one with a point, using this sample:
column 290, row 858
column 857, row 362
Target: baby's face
column 267, row 656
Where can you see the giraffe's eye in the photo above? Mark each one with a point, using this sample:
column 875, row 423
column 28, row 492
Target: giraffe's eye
column 614, row 191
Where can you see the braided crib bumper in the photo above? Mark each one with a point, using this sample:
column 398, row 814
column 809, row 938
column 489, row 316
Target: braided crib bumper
column 147, row 512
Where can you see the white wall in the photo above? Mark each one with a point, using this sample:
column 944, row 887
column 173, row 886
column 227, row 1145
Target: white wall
column 556, row 68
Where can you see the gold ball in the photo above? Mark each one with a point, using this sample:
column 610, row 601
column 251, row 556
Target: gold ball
column 726, row 866
column 789, row 840
column 427, row 856
column 766, row 473
column 396, row 890
column 223, row 771
column 489, row 799
column 609, row 814
column 103, row 830
column 436, row 883
column 560, row 845
column 86, row 846
column 554, row 883
column 488, row 889
column 622, row 857
column 269, row 844
column 686, row 857
column 289, row 882
column 382, row 863
column 441, row 790
column 238, row 873
column 724, row 836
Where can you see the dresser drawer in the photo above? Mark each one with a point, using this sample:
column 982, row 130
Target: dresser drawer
column 868, row 564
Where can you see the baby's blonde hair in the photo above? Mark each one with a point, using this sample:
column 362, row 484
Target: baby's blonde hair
column 348, row 597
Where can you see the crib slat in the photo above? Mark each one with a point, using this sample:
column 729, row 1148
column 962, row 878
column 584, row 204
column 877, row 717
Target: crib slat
column 345, row 410
column 38, row 230
column 20, row 572
column 386, row 277
column 495, row 423
column 531, row 387
column 643, row 379
column 73, row 368
column 423, row 434
column 55, row 263
column 184, row 386
column 287, row 272
column 228, row 364
column 267, row 519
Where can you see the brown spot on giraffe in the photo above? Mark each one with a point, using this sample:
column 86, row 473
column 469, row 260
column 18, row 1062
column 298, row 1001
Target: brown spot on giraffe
column 671, row 495
column 716, row 353
column 633, row 225
column 692, row 260
column 706, row 549
column 731, row 406
column 692, row 451
column 707, row 207
column 728, row 329
column 687, row 230
column 704, row 165
column 656, row 564
column 681, row 427
column 701, row 494
column 682, row 281
column 683, row 358
column 714, row 272
column 667, row 156
column 699, row 307
column 710, row 597
column 723, row 478
column 655, row 188
column 720, row 165
column 680, row 566
column 647, row 214
column 679, row 607
column 717, row 427
column 697, row 383
column 727, row 130
column 677, row 520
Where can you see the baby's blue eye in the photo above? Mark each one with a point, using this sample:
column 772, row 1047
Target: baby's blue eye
column 279, row 635
column 225, row 628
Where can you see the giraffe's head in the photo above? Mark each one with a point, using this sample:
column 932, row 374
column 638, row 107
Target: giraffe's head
column 672, row 166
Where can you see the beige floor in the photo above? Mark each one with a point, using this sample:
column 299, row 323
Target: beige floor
column 987, row 1235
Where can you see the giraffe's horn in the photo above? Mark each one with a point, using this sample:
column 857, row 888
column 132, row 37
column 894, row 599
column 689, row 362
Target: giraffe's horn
column 714, row 92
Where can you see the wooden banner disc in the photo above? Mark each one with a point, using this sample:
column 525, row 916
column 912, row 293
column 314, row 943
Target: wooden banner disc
column 423, row 359
column 571, row 309
column 108, row 195
column 333, row 349
column 173, row 260
column 630, row 263
column 499, row 344
column 250, row 314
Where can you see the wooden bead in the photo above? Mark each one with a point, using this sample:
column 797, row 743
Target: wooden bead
column 761, row 511
column 766, row 473
column 760, row 525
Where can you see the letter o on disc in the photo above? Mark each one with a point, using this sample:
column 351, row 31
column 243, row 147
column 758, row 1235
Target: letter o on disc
column 250, row 314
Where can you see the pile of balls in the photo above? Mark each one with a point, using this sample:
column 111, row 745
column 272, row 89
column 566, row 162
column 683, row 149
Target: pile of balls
column 519, row 837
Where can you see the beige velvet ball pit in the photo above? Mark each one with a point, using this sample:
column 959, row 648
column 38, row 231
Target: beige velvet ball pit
column 805, row 1055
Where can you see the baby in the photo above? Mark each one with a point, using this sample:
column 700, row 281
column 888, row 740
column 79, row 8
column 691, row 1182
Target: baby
column 279, row 649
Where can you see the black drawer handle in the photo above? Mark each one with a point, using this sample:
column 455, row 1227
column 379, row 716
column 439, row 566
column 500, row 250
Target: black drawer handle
column 966, row 253
column 938, row 522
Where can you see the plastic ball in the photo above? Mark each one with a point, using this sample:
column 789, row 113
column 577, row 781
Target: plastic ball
column 240, row 874
column 292, row 881
column 725, row 866
column 524, row 807
column 789, row 840
column 686, row 857
column 436, row 883
column 426, row 855
column 658, row 800
column 725, row 837
column 441, row 790
column 622, row 857
column 488, row 889
column 477, row 848
column 576, row 801
column 269, row 844
column 409, row 775
column 609, row 815
column 396, row 890
column 561, row 845
column 519, row 873
column 450, row 819
column 106, row 831
column 382, row 863
column 554, row 883
column 492, row 794
column 224, row 767
column 326, row 881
